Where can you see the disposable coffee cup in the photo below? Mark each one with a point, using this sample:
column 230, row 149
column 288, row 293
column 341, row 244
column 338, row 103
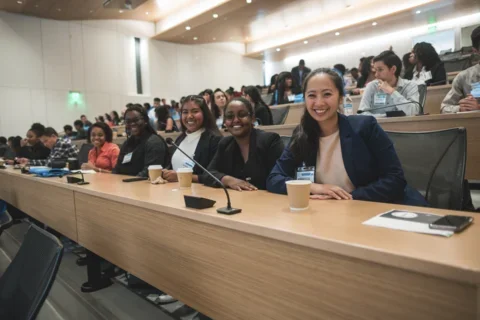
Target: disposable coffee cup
column 185, row 177
column 115, row 135
column 298, row 194
column 154, row 171
column 2, row 162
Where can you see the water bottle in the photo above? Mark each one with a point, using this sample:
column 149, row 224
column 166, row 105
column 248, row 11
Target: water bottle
column 347, row 105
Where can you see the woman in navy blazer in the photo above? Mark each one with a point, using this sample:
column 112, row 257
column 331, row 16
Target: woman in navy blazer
column 369, row 158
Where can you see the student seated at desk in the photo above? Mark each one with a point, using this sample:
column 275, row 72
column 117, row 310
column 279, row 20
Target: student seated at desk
column 199, row 139
column 68, row 130
column 5, row 150
column 460, row 98
column 59, row 149
column 143, row 148
column 104, row 155
column 81, row 131
column 218, row 106
column 285, row 89
column 244, row 160
column 32, row 147
column 389, row 89
column 164, row 121
column 432, row 70
column 262, row 111
column 367, row 74
column 352, row 157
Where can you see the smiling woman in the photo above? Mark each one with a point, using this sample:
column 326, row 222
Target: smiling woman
column 103, row 157
column 352, row 157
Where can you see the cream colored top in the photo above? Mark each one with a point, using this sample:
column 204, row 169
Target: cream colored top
column 330, row 168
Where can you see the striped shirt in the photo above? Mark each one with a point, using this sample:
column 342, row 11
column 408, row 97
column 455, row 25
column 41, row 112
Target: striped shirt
column 63, row 149
column 404, row 92
column 461, row 87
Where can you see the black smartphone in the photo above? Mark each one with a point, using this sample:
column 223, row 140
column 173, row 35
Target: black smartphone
column 135, row 179
column 452, row 223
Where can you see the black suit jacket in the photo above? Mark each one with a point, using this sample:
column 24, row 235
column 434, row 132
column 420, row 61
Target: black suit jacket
column 296, row 75
column 439, row 75
column 265, row 149
column 205, row 151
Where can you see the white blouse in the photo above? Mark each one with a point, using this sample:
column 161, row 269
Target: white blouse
column 189, row 145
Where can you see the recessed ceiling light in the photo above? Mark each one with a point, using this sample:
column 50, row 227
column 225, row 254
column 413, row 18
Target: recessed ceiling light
column 374, row 24
column 278, row 49
column 214, row 39
column 120, row 11
column 147, row 12
column 187, row 28
column 305, row 42
column 59, row 9
column 91, row 11
column 19, row 2
column 418, row 11
column 249, row 1
column 36, row 6
column 195, row 38
column 337, row 33
column 215, row 16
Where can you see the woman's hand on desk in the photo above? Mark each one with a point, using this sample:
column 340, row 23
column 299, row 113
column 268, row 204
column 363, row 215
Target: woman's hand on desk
column 170, row 175
column 237, row 184
column 89, row 166
column 328, row 191
column 469, row 104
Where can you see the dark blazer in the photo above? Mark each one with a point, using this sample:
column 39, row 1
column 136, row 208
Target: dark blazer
column 263, row 116
column 439, row 75
column 37, row 151
column 265, row 149
column 370, row 161
column 296, row 75
column 149, row 149
column 205, row 151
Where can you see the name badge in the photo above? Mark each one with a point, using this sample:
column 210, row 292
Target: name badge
column 306, row 173
column 188, row 163
column 380, row 99
column 127, row 158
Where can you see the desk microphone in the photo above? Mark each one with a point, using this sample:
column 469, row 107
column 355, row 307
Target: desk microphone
column 78, row 181
column 226, row 210
column 396, row 113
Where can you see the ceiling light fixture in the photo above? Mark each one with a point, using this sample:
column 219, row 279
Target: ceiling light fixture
column 59, row 9
column 337, row 33
column 91, row 11
column 19, row 2
column 249, row 1
column 215, row 16
column 187, row 28
column 147, row 12
column 120, row 11
column 278, row 49
column 195, row 38
column 305, row 42
column 418, row 11
column 374, row 24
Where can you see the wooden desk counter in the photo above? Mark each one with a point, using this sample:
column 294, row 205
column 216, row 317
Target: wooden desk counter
column 324, row 261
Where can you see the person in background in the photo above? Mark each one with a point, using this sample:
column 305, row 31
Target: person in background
column 164, row 120
column 147, row 106
column 273, row 83
column 285, row 88
column 32, row 147
column 355, row 74
column 208, row 96
column 173, row 110
column 68, row 130
column 5, row 150
column 108, row 120
column 86, row 124
column 360, row 63
column 263, row 114
column 329, row 141
column 367, row 74
column 230, row 92
column 244, row 159
column 199, row 139
column 432, row 70
column 299, row 73
column 103, row 157
column 409, row 64
column 115, row 118
column 151, row 113
column 81, row 133
column 340, row 68
column 10, row 141
column 218, row 106
column 144, row 147
column 462, row 98
column 389, row 89
column 60, row 149
column 242, row 90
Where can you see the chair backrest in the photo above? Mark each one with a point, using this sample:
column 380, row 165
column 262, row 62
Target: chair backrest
column 457, row 64
column 467, row 50
column 83, row 153
column 5, row 219
column 28, row 279
column 286, row 140
column 267, row 97
column 451, row 55
column 422, row 92
column 434, row 164
column 279, row 114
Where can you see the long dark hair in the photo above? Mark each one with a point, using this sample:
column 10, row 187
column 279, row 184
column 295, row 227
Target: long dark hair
column 408, row 67
column 116, row 118
column 426, row 55
column 281, row 84
column 215, row 108
column 305, row 137
column 138, row 108
column 208, row 120
column 162, row 113
column 366, row 67
column 257, row 99
column 106, row 130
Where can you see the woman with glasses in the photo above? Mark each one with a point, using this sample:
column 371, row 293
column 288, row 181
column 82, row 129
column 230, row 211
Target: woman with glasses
column 262, row 111
column 244, row 159
column 143, row 147
column 199, row 139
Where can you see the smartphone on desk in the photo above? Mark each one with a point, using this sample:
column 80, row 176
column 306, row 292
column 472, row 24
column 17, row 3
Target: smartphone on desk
column 452, row 223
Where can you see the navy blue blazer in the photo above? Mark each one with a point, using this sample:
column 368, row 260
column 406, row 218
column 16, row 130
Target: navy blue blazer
column 370, row 161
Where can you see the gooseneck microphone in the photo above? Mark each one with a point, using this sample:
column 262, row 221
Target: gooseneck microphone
column 226, row 210
column 389, row 106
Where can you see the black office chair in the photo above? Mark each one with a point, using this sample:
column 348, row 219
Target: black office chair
column 422, row 92
column 28, row 279
column 83, row 153
column 434, row 164
column 279, row 114
column 451, row 55
column 457, row 64
column 467, row 50
column 286, row 140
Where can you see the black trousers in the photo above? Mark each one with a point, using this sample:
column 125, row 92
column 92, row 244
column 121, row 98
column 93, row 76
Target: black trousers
column 94, row 267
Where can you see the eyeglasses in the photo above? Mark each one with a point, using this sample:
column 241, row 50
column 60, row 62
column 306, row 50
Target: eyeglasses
column 132, row 121
column 240, row 115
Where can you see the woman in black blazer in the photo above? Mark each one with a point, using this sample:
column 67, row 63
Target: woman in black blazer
column 428, row 58
column 200, row 137
column 262, row 111
column 244, row 160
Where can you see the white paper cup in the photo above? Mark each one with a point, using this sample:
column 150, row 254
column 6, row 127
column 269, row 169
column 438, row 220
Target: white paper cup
column 298, row 194
column 185, row 176
column 154, row 171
